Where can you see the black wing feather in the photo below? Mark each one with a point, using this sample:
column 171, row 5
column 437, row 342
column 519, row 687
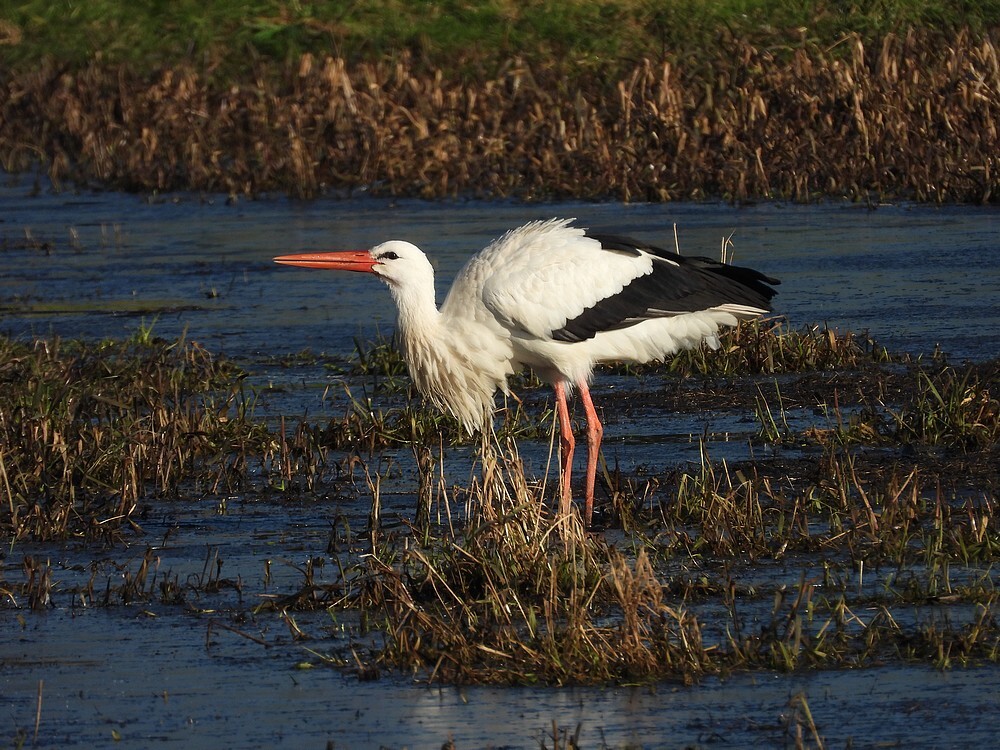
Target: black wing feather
column 677, row 285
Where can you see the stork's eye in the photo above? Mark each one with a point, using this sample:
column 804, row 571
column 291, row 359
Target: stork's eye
column 388, row 256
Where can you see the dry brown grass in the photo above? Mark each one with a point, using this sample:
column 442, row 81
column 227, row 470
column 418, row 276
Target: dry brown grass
column 713, row 567
column 915, row 116
column 516, row 594
column 522, row 595
column 89, row 431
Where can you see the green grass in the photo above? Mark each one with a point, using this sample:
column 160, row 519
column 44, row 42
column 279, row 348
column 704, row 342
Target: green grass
column 233, row 37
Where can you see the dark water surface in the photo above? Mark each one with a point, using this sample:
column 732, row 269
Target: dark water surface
column 149, row 675
column 914, row 276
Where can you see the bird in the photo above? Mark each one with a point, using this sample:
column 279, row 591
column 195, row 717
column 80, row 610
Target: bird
column 558, row 299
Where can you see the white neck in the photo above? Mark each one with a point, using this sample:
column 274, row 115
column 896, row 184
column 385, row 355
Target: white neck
column 455, row 362
column 441, row 361
column 417, row 316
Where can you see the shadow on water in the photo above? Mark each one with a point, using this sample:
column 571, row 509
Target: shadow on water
column 150, row 673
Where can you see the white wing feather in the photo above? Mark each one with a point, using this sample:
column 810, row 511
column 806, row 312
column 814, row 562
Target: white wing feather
column 537, row 277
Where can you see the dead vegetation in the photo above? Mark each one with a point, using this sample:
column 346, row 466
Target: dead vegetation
column 874, row 541
column 521, row 596
column 88, row 432
column 913, row 116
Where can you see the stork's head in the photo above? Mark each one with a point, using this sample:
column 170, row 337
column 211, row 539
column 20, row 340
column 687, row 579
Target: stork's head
column 396, row 262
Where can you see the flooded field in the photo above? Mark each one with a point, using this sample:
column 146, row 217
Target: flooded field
column 97, row 265
column 192, row 622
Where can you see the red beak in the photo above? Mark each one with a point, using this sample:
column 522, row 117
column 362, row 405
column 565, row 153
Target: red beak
column 347, row 260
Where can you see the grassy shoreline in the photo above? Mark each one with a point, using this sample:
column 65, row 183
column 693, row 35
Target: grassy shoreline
column 605, row 101
column 234, row 39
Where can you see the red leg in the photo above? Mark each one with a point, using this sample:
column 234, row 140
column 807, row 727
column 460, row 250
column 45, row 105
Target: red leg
column 566, row 447
column 595, row 431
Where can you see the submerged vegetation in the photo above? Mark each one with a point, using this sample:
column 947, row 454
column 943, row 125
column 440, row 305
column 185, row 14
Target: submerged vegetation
column 866, row 531
column 631, row 100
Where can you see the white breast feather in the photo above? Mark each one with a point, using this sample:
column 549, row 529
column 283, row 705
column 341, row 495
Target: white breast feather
column 460, row 373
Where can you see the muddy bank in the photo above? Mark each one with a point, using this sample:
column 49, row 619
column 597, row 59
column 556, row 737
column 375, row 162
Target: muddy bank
column 914, row 117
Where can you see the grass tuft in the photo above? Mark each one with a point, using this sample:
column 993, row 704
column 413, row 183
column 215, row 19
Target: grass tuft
column 873, row 540
column 89, row 430
column 951, row 407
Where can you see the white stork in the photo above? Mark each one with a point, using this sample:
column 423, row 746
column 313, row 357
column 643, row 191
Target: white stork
column 555, row 298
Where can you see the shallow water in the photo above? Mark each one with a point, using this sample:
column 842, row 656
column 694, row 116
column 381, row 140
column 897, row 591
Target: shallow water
column 144, row 689
column 153, row 674
column 915, row 276
column 99, row 265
